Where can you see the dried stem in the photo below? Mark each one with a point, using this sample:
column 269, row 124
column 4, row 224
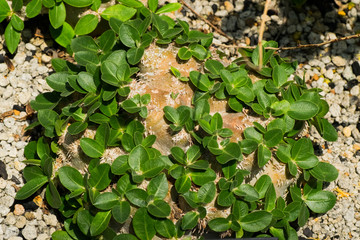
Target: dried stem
column 261, row 32
column 296, row 47
column 207, row 21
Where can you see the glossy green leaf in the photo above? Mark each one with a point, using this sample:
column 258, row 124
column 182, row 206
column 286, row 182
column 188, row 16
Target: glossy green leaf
column 201, row 81
column 190, row 220
column 118, row 11
column 71, row 178
column 303, row 110
column 107, row 40
column 134, row 55
column 100, row 223
column 184, row 53
column 86, row 24
column 158, row 187
column 219, row 224
column 84, row 219
column 256, row 221
column 159, row 208
column 53, row 196
column 17, row 23
column 91, row 147
column 263, row 155
column 60, row 235
column 63, row 35
column 129, row 36
column 273, row 137
column 137, row 197
column 324, row 172
column 106, row 201
column 143, row 224
column 100, row 177
column 31, row 187
column 320, row 202
column 262, row 185
column 170, row 7
column 246, row 191
column 279, row 75
column 207, row 192
column 165, row 228
column 33, row 8
column 121, row 211
column 12, row 38
column 232, row 151
column 200, row 177
column 183, row 184
column 225, row 198
column 57, row 15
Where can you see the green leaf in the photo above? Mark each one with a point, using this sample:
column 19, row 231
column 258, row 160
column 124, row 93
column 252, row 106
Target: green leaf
column 165, row 228
column 239, row 209
column 232, row 151
column 307, row 161
column 53, row 196
column 31, row 187
column 246, row 191
column 31, row 172
column 91, row 147
column 201, row 81
column 263, row 155
column 324, row 172
column 303, row 215
column 183, row 184
column 158, row 186
column 189, row 220
column 138, row 156
column 106, row 201
column 303, row 110
column 329, row 132
column 273, row 137
column 107, row 40
column 256, row 221
column 120, row 165
column 184, row 53
column 134, row 55
column 84, row 43
column 47, row 117
column 159, row 208
column 206, row 192
column 198, row 51
column 71, row 178
column 12, row 38
column 5, row 10
column 320, row 202
column 170, row 7
column 79, row 3
column 60, row 235
column 143, row 224
column 46, row 3
column 137, row 197
column 219, row 224
column 100, row 223
column 129, row 36
column 83, row 220
column 17, row 23
column 252, row 134
column 121, row 211
column 86, row 24
column 262, row 185
column 57, row 15
column 100, row 177
column 225, row 198
column 200, row 177
column 33, row 8
column 153, row 5
column 132, row 3
column 214, row 66
column 279, row 75
column 63, row 34
column 84, row 58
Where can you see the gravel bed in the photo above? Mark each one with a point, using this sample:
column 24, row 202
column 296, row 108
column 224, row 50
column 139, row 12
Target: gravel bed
column 333, row 68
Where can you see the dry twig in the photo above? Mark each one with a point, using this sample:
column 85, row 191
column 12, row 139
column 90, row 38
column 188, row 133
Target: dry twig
column 261, row 32
column 296, row 47
column 207, row 21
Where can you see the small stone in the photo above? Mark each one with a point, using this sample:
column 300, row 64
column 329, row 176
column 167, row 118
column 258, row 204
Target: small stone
column 7, row 201
column 347, row 131
column 20, row 57
column 10, row 219
column 329, row 74
column 29, row 232
column 29, row 215
column 2, row 183
column 50, row 220
column 38, row 41
column 355, row 91
column 3, row 173
column 4, row 82
column 9, row 122
column 228, row 6
column 15, row 238
column 339, row 61
column 11, row 231
column 19, row 209
column 347, row 73
column 43, row 236
column 356, row 146
column 335, row 110
column 21, row 222
column 221, row 13
column 8, row 92
column 356, row 68
column 30, row 47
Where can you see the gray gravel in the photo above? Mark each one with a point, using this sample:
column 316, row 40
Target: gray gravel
column 335, row 69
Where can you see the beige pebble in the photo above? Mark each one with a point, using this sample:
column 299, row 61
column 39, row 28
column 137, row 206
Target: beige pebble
column 19, row 209
column 45, row 58
column 29, row 215
column 347, row 131
column 228, row 6
column 21, row 222
column 356, row 146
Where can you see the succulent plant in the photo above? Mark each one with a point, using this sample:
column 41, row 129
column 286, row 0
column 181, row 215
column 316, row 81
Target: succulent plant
column 151, row 135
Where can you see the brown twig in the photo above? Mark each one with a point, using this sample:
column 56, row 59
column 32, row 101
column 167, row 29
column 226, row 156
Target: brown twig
column 261, row 32
column 207, row 21
column 296, row 47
